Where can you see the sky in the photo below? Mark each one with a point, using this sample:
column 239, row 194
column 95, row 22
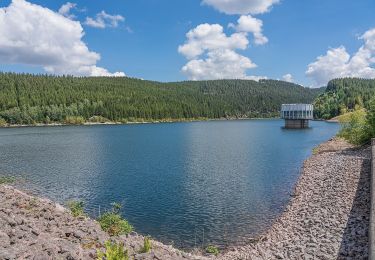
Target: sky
column 307, row 42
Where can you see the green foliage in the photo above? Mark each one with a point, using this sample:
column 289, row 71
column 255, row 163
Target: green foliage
column 7, row 179
column 146, row 245
column 2, row 122
column 113, row 251
column 74, row 120
column 98, row 119
column 358, row 127
column 344, row 95
column 27, row 99
column 113, row 223
column 212, row 250
column 76, row 207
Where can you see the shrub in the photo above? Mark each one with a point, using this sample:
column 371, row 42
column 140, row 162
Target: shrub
column 3, row 122
column 74, row 120
column 212, row 250
column 113, row 251
column 146, row 245
column 76, row 207
column 354, row 127
column 98, row 119
column 113, row 223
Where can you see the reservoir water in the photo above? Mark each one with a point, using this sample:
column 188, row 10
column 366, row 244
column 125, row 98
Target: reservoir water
column 190, row 184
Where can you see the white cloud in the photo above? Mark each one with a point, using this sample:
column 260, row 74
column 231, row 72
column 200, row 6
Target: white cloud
column 211, row 37
column 103, row 20
column 33, row 35
column 212, row 54
column 220, row 64
column 288, row 78
column 249, row 24
column 339, row 63
column 241, row 6
column 66, row 8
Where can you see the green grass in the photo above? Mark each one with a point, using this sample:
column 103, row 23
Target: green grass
column 146, row 245
column 113, row 223
column 76, row 208
column 213, row 250
column 113, row 251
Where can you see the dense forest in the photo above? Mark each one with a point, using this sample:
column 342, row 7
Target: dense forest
column 343, row 95
column 29, row 99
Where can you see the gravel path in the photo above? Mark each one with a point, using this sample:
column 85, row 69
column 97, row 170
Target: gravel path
column 328, row 216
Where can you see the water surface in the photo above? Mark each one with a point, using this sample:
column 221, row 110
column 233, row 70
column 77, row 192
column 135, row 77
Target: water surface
column 196, row 183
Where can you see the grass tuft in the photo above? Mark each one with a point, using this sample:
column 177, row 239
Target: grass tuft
column 76, row 208
column 113, row 251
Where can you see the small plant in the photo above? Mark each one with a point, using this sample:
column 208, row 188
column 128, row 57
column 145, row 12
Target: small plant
column 7, row 179
column 3, row 122
column 113, row 251
column 74, row 120
column 76, row 207
column 212, row 250
column 113, row 223
column 146, row 245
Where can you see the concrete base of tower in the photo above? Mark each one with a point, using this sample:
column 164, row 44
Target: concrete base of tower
column 296, row 123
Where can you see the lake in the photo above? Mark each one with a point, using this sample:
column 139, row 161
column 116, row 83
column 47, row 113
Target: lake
column 190, row 184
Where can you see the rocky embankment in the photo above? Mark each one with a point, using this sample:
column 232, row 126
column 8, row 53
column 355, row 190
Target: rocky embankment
column 39, row 229
column 328, row 215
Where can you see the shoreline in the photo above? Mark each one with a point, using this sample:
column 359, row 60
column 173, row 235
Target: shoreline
column 317, row 220
column 148, row 122
column 322, row 220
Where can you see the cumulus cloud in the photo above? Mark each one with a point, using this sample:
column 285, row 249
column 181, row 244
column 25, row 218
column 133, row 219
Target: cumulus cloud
column 103, row 20
column 33, row 35
column 337, row 62
column 66, row 8
column 241, row 6
column 288, row 78
column 219, row 64
column 212, row 54
column 207, row 37
column 249, row 24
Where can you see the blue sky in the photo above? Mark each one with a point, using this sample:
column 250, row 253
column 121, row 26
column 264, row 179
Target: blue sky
column 145, row 45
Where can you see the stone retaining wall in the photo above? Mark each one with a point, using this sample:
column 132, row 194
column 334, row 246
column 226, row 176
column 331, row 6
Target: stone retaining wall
column 372, row 212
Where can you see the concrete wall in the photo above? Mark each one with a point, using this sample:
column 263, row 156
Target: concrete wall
column 296, row 123
column 372, row 210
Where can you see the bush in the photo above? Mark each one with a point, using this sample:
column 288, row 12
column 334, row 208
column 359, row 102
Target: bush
column 76, row 207
column 98, row 119
column 146, row 245
column 74, row 120
column 113, row 223
column 354, row 127
column 113, row 251
column 3, row 122
column 212, row 250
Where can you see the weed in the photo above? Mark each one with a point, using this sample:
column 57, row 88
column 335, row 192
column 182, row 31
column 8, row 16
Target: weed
column 146, row 245
column 113, row 251
column 212, row 250
column 76, row 207
column 113, row 223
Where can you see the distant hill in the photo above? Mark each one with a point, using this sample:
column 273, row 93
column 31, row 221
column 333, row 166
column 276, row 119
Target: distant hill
column 27, row 99
column 343, row 95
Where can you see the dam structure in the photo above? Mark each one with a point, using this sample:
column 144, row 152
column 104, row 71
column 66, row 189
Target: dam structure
column 297, row 116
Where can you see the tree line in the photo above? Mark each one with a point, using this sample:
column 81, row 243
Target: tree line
column 344, row 95
column 29, row 99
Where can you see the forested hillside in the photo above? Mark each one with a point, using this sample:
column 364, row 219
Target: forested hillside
column 344, row 95
column 28, row 99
